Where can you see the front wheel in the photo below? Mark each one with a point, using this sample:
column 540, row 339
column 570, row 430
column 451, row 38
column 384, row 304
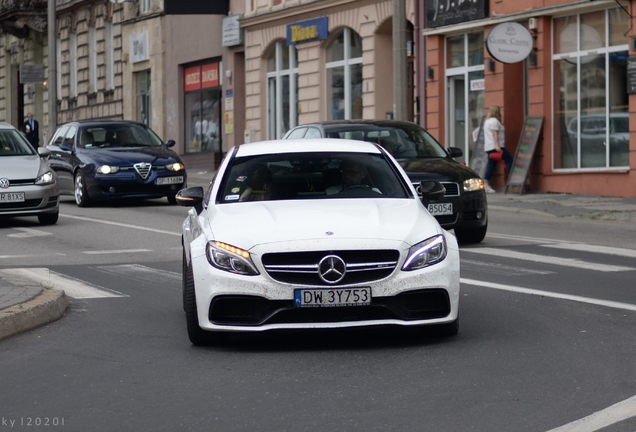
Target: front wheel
column 172, row 200
column 470, row 236
column 81, row 194
column 197, row 335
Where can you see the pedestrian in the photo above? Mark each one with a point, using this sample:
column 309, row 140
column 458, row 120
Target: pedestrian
column 32, row 131
column 494, row 141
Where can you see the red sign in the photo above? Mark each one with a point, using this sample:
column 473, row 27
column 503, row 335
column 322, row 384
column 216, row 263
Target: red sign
column 192, row 78
column 210, row 75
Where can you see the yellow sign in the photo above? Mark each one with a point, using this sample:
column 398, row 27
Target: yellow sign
column 300, row 33
column 229, row 122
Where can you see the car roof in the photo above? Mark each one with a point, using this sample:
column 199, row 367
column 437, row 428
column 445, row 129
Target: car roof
column 306, row 145
column 4, row 125
column 94, row 122
column 379, row 123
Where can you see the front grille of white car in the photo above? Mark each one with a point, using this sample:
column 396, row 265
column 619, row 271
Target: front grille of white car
column 302, row 268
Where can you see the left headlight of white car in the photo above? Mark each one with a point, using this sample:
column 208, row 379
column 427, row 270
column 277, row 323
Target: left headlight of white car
column 45, row 179
column 426, row 253
column 230, row 258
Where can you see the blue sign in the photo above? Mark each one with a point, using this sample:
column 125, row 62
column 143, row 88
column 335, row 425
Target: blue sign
column 308, row 31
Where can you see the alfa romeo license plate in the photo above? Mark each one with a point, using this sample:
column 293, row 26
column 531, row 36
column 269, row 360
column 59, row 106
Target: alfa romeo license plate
column 169, row 180
column 332, row 297
column 12, row 197
column 440, row 209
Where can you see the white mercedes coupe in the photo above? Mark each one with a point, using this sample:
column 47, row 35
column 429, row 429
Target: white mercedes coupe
column 315, row 233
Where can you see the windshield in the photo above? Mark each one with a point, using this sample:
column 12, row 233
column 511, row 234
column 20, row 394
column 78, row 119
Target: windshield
column 12, row 143
column 117, row 136
column 294, row 176
column 404, row 142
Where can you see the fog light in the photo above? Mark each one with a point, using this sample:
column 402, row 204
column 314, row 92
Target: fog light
column 480, row 215
column 111, row 189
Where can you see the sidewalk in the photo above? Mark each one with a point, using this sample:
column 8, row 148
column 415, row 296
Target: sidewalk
column 24, row 306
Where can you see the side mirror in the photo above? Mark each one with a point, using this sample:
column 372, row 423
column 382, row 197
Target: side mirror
column 66, row 147
column 455, row 152
column 431, row 191
column 44, row 152
column 191, row 197
column 170, row 143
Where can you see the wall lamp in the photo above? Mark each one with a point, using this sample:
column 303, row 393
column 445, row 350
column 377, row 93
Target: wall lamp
column 532, row 58
column 430, row 73
column 491, row 65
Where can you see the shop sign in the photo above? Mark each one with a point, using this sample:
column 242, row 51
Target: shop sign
column 477, row 84
column 445, row 12
column 31, row 73
column 231, row 31
column 631, row 75
column 139, row 47
column 308, row 31
column 509, row 42
column 210, row 75
column 525, row 150
column 192, row 77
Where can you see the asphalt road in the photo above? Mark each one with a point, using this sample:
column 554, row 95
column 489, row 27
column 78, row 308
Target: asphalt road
column 539, row 346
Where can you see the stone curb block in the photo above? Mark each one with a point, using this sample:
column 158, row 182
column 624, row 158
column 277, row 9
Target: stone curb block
column 49, row 306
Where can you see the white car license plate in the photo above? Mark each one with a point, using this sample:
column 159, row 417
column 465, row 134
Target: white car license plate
column 12, row 197
column 332, row 297
column 169, row 180
column 440, row 209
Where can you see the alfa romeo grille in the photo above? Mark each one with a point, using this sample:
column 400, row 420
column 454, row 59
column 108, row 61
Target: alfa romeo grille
column 143, row 169
column 312, row 268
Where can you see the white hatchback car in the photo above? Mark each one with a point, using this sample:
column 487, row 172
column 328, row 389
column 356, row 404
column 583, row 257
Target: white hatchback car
column 315, row 233
column 28, row 187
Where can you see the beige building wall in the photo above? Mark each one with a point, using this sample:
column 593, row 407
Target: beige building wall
column 265, row 24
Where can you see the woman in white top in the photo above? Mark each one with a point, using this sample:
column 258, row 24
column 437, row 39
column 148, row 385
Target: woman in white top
column 494, row 141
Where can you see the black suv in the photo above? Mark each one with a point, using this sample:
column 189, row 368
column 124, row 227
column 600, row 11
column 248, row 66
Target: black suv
column 464, row 207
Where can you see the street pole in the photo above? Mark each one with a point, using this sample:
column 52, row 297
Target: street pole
column 52, row 68
column 400, row 109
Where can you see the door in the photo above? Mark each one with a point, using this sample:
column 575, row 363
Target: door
column 457, row 114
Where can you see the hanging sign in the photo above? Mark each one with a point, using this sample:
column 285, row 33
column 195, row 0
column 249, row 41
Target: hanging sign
column 509, row 42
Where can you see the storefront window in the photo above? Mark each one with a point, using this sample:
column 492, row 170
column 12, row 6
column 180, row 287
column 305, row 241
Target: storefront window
column 591, row 106
column 344, row 76
column 282, row 90
column 203, row 108
column 455, row 51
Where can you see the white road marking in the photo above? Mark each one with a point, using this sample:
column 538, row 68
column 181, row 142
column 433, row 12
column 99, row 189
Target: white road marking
column 567, row 262
column 524, row 238
column 28, row 232
column 143, row 273
column 105, row 222
column 118, row 251
column 29, row 256
column 521, row 290
column 496, row 268
column 44, row 277
column 601, row 419
column 630, row 253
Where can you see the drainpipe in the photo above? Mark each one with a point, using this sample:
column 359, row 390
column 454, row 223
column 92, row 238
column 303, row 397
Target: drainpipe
column 400, row 111
column 52, row 68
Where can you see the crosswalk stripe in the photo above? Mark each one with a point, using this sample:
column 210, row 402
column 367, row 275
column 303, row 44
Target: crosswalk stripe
column 138, row 227
column 49, row 279
column 630, row 253
column 567, row 262
column 119, row 251
column 144, row 273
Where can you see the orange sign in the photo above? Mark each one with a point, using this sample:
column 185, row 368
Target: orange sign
column 192, row 78
column 210, row 75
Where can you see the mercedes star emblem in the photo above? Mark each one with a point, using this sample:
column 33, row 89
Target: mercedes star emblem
column 332, row 269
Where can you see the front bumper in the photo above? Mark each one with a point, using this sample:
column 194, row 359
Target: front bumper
column 229, row 302
column 470, row 210
column 38, row 200
column 130, row 185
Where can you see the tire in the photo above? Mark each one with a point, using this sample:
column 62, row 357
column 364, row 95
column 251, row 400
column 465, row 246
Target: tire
column 197, row 335
column 471, row 236
column 184, row 270
column 81, row 194
column 172, row 200
column 48, row 218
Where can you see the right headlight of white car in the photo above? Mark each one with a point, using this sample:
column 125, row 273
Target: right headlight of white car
column 230, row 258
column 426, row 253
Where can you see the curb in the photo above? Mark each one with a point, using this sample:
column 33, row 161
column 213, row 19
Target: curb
column 49, row 306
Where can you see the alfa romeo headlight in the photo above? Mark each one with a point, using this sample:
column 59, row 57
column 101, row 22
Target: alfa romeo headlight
column 426, row 253
column 473, row 184
column 230, row 258
column 45, row 179
column 107, row 169
column 175, row 166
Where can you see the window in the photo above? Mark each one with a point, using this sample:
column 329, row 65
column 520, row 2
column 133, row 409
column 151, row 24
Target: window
column 590, row 74
column 145, row 6
column 109, row 54
column 73, row 64
column 282, row 90
column 144, row 98
column 92, row 60
column 344, row 76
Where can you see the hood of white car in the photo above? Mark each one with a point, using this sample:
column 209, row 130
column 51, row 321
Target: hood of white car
column 246, row 225
column 20, row 167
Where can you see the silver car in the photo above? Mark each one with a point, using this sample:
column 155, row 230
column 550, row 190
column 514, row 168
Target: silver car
column 28, row 187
